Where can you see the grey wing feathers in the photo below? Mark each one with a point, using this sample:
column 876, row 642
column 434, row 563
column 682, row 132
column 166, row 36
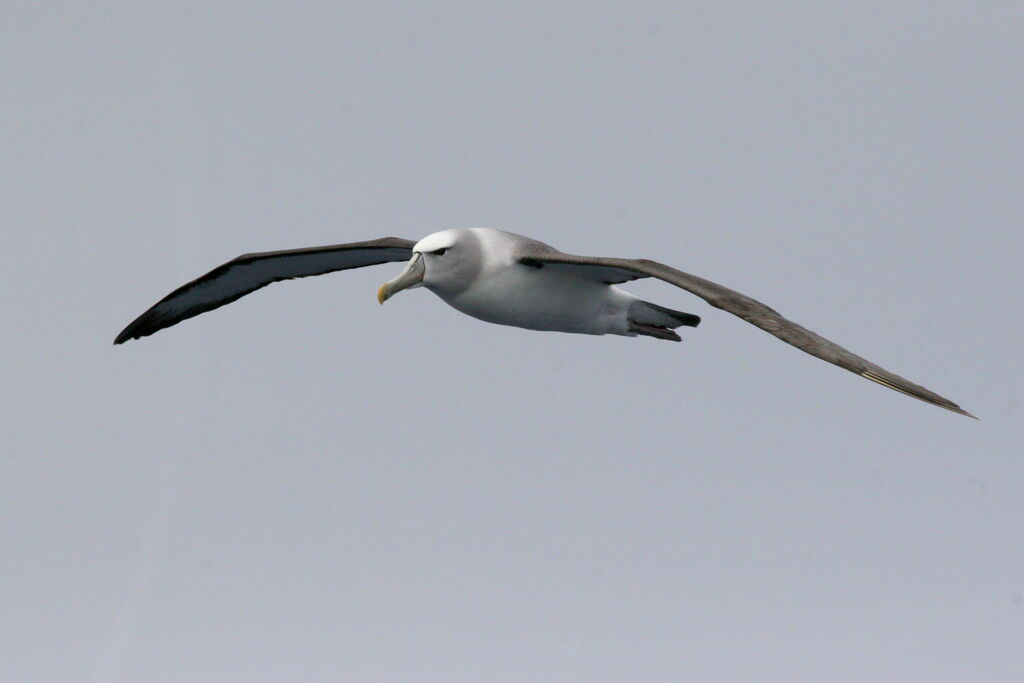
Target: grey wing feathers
column 249, row 272
column 749, row 309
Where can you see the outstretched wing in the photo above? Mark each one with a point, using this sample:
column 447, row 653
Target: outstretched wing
column 615, row 270
column 249, row 272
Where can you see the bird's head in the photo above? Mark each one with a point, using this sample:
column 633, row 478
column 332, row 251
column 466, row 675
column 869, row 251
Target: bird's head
column 445, row 262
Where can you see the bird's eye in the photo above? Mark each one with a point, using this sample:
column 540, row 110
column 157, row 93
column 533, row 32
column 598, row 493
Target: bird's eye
column 439, row 252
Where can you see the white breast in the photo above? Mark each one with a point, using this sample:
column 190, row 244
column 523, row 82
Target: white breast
column 545, row 299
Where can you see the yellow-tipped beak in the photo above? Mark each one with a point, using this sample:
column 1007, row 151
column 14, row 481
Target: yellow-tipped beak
column 411, row 276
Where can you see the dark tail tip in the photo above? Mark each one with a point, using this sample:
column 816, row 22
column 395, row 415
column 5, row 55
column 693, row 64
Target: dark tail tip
column 688, row 319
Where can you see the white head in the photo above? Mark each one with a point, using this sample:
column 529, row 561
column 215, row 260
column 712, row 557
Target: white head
column 445, row 262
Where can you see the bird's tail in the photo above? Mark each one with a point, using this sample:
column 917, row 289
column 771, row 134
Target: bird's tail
column 652, row 320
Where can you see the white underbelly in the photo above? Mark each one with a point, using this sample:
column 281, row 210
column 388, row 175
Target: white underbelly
column 544, row 299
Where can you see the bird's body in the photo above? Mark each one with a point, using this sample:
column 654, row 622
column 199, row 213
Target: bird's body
column 508, row 292
column 546, row 301
column 508, row 279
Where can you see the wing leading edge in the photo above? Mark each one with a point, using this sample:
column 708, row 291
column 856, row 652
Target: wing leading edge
column 249, row 272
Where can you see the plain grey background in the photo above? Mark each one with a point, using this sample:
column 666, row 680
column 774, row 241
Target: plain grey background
column 306, row 486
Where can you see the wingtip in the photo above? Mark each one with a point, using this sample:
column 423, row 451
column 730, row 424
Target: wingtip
column 127, row 334
column 920, row 393
column 146, row 324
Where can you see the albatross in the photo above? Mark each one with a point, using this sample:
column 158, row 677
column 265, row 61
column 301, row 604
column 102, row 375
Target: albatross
column 508, row 279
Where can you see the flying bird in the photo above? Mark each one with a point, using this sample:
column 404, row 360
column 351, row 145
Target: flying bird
column 508, row 279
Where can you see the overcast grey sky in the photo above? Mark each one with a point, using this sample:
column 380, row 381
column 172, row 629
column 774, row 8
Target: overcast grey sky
column 307, row 486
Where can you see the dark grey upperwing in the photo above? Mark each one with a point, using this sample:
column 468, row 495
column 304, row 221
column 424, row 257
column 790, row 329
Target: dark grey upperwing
column 249, row 272
column 616, row 270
